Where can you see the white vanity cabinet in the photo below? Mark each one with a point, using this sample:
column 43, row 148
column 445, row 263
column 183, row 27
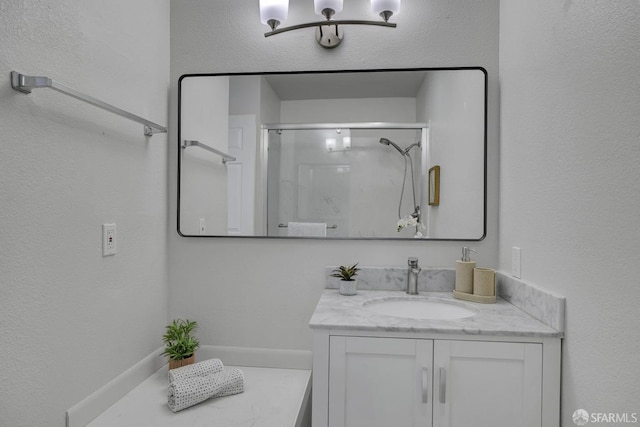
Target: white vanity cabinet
column 479, row 383
column 497, row 368
column 420, row 382
column 379, row 382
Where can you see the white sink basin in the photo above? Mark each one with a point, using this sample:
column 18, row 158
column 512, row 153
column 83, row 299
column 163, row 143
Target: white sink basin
column 417, row 308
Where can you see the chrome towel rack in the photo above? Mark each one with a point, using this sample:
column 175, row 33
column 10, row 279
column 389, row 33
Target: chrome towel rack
column 25, row 84
column 225, row 157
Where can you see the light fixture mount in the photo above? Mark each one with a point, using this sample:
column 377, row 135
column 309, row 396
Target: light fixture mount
column 328, row 36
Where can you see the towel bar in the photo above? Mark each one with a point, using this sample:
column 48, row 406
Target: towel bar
column 225, row 157
column 25, row 84
column 285, row 226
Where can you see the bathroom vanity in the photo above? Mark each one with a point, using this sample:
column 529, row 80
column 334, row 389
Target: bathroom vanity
column 380, row 359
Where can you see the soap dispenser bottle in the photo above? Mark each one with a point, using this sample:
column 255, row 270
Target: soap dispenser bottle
column 464, row 272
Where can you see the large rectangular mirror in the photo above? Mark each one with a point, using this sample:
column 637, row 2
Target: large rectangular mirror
column 334, row 154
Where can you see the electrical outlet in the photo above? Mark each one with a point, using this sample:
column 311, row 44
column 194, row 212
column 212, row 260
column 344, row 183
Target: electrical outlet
column 516, row 262
column 203, row 225
column 108, row 239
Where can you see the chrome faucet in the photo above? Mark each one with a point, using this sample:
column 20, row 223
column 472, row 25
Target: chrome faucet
column 412, row 276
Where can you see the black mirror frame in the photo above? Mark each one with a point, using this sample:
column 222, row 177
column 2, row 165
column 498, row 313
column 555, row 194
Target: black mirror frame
column 179, row 153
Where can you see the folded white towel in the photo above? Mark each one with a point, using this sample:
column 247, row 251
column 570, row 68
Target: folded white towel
column 307, row 229
column 200, row 369
column 191, row 391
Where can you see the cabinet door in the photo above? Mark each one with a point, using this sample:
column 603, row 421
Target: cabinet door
column 380, row 382
column 487, row 384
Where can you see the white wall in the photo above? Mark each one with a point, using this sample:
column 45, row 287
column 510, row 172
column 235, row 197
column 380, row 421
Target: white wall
column 452, row 102
column 256, row 292
column 254, row 96
column 71, row 320
column 569, row 182
column 203, row 176
column 269, row 113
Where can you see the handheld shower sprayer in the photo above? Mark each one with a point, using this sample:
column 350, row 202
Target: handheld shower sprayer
column 386, row 141
column 407, row 159
column 404, row 152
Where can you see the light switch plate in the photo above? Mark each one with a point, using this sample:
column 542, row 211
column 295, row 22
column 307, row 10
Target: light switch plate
column 516, row 262
column 108, row 239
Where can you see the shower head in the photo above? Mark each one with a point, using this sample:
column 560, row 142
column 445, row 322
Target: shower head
column 386, row 141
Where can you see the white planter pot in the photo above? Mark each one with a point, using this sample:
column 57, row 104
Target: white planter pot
column 348, row 287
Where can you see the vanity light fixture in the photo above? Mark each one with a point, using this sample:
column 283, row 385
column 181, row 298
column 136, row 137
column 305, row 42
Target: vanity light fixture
column 328, row 32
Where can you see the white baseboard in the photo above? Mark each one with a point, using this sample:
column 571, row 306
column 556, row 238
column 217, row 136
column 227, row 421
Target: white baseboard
column 93, row 405
column 258, row 357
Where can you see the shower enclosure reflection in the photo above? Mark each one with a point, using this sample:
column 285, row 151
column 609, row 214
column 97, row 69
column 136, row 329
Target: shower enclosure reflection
column 333, row 154
column 322, row 176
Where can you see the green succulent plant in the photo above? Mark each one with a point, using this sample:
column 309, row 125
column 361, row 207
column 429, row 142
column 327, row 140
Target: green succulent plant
column 345, row 273
column 179, row 341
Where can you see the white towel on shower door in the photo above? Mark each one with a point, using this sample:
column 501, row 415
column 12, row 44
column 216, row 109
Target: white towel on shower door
column 307, row 229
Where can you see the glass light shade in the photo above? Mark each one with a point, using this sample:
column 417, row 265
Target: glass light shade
column 320, row 5
column 330, row 143
column 346, row 143
column 278, row 10
column 379, row 6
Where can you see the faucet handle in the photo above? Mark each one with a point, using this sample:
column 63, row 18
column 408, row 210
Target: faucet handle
column 413, row 262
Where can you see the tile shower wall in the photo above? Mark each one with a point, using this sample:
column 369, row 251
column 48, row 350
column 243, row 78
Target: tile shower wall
column 336, row 187
column 360, row 167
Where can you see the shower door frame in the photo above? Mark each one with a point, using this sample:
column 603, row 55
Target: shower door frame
column 264, row 158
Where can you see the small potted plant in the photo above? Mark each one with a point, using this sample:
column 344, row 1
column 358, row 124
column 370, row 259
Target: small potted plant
column 346, row 274
column 180, row 344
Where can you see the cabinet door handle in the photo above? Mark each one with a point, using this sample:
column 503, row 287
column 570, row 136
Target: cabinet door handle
column 425, row 383
column 443, row 385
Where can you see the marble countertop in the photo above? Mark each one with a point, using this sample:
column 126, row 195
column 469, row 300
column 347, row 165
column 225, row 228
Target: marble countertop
column 338, row 312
